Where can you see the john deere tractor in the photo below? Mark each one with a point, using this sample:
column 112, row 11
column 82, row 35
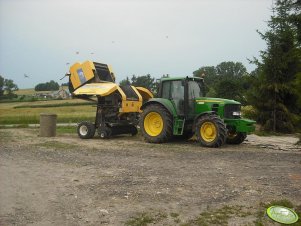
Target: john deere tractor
column 182, row 110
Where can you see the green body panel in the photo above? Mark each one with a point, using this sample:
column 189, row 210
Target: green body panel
column 241, row 125
column 165, row 102
column 204, row 104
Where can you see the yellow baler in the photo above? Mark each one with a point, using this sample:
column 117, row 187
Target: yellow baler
column 118, row 107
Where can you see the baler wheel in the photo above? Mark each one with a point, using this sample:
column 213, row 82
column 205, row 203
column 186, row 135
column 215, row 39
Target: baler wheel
column 105, row 133
column 86, row 130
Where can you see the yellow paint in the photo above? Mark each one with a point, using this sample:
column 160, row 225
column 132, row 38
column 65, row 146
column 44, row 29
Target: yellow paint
column 81, row 74
column 145, row 93
column 131, row 106
column 137, row 93
column 153, row 124
column 208, row 131
column 111, row 72
column 87, row 69
column 101, row 89
column 123, row 96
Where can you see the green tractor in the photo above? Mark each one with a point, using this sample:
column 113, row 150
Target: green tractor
column 182, row 110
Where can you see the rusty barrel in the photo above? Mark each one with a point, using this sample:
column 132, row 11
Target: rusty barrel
column 47, row 125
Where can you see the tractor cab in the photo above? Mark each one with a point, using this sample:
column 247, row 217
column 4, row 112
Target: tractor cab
column 182, row 92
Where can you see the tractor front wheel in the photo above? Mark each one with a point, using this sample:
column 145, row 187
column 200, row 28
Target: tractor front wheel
column 211, row 131
column 86, row 130
column 236, row 138
column 156, row 124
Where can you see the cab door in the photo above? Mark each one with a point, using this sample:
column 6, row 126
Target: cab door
column 174, row 91
column 194, row 92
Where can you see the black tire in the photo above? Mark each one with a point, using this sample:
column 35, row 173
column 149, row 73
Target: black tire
column 104, row 133
column 86, row 130
column 236, row 138
column 134, row 131
column 166, row 133
column 219, row 136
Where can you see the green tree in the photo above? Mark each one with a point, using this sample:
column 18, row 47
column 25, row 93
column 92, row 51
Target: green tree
column 230, row 89
column 48, row 86
column 209, row 74
column 227, row 80
column 145, row 81
column 1, row 86
column 125, row 81
column 231, row 69
column 274, row 93
column 10, row 86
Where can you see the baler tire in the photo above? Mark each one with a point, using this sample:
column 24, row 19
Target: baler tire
column 236, row 138
column 211, row 123
column 104, row 133
column 86, row 130
column 164, row 122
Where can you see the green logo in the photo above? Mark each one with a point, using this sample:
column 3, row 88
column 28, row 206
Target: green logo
column 282, row 214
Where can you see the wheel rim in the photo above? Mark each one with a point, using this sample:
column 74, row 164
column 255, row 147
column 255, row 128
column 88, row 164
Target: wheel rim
column 153, row 124
column 208, row 131
column 83, row 130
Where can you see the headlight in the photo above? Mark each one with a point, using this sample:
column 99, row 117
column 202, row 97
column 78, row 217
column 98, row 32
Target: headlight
column 236, row 113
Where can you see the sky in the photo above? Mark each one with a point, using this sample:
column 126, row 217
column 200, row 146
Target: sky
column 176, row 37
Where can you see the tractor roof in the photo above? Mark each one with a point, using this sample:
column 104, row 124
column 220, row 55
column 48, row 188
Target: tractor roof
column 181, row 78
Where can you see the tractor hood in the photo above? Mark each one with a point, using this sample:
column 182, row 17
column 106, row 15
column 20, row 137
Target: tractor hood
column 209, row 100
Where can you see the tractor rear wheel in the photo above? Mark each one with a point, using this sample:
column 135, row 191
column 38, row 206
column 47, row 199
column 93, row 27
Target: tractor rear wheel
column 211, row 131
column 236, row 138
column 156, row 124
column 86, row 130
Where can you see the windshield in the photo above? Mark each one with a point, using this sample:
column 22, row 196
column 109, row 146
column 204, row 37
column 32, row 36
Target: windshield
column 195, row 89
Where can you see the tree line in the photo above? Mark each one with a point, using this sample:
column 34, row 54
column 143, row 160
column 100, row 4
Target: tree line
column 47, row 86
column 7, row 87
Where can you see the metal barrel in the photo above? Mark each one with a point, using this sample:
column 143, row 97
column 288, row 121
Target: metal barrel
column 47, row 125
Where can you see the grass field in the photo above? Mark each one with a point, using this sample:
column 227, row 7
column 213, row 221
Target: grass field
column 11, row 113
column 31, row 91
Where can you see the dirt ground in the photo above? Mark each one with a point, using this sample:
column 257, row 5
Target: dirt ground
column 124, row 181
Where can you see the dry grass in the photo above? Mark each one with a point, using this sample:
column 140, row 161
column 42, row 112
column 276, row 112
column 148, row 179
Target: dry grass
column 32, row 91
column 68, row 114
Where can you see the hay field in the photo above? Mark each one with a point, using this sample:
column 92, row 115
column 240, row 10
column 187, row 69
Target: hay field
column 31, row 91
column 28, row 115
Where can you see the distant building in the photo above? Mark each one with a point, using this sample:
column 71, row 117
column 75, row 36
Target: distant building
column 61, row 94
column 58, row 94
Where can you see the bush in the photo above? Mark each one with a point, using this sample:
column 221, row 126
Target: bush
column 249, row 112
column 48, row 86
